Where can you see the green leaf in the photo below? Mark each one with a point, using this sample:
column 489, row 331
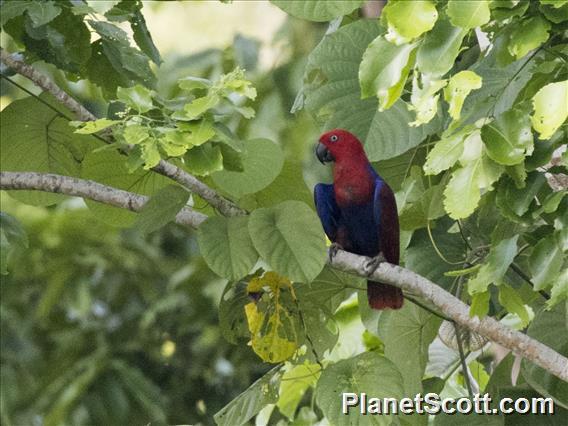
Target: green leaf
column 191, row 83
column 358, row 375
column 478, row 173
column 409, row 19
column 424, row 98
column 510, row 300
column 13, row 9
column 549, row 328
column 514, row 202
column 13, row 238
column 528, row 35
column 232, row 319
column 407, row 334
column 550, row 108
column 109, row 168
column 559, row 291
column 446, row 152
column 135, row 134
column 469, row 14
column 480, row 304
column 295, row 383
column 204, row 160
column 318, row 10
column 273, row 317
column 495, row 265
column 42, row 13
column 460, row 85
column 262, row 162
column 508, row 138
column 553, row 14
column 35, row 138
column 383, row 66
column 161, row 208
column 288, row 185
column 437, row 53
column 245, row 406
column 136, row 97
column 201, row 131
column 199, row 106
column 226, row 246
column 546, row 261
column 331, row 87
column 290, row 238
column 143, row 38
column 89, row 127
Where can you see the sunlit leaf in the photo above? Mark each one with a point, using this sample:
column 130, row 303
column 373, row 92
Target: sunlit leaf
column 457, row 90
column 528, row 35
column 550, row 108
column 409, row 19
column 318, row 10
column 469, row 14
column 136, row 97
column 495, row 265
column 510, row 300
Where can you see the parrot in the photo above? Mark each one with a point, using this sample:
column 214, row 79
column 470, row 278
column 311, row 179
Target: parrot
column 358, row 211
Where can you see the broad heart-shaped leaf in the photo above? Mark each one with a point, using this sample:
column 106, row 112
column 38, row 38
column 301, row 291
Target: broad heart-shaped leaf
column 42, row 12
column 368, row 373
column 528, row 35
column 262, row 162
column 550, row 108
column 409, row 19
column 331, row 89
column 273, row 318
column 110, row 168
column 508, row 138
column 384, row 70
column 469, row 14
column 226, row 246
column 290, row 238
column 438, row 51
column 13, row 237
column 245, row 406
column 318, row 10
column 295, row 383
column 550, row 328
column 34, row 138
column 457, row 90
column 407, row 334
column 546, row 261
column 495, row 265
column 204, row 160
column 232, row 319
column 161, row 208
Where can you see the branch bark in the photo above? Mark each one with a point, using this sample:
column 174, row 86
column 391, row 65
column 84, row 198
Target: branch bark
column 89, row 189
column 405, row 279
column 224, row 206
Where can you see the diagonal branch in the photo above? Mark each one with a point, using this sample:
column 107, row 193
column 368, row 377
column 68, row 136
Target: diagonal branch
column 224, row 206
column 519, row 343
column 452, row 307
column 88, row 189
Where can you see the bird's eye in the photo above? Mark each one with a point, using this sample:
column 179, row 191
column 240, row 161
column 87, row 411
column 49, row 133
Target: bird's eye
column 333, row 138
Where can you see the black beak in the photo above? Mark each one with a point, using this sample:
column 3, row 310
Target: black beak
column 323, row 154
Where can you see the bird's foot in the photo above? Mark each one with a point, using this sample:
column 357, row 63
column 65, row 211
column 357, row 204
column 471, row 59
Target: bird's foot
column 333, row 249
column 372, row 264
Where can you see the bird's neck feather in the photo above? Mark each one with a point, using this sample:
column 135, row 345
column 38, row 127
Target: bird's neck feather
column 353, row 180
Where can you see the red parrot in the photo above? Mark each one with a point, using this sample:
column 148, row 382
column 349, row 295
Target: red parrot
column 358, row 211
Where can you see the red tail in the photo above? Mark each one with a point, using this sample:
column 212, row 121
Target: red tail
column 384, row 296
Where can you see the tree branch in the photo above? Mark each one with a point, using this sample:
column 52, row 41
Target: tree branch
column 452, row 307
column 225, row 207
column 88, row 189
column 519, row 343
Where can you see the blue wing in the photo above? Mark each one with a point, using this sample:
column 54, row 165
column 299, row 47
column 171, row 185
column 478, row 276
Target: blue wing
column 386, row 216
column 327, row 209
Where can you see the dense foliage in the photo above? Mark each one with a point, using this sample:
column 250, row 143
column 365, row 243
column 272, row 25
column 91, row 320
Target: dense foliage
column 107, row 315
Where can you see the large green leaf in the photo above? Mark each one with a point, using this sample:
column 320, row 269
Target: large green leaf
column 290, row 238
column 384, row 70
column 528, row 35
column 368, row 373
column 546, row 261
column 318, row 10
column 550, row 108
column 331, row 90
column 438, row 51
column 469, row 14
column 226, row 246
column 262, row 162
column 514, row 202
column 261, row 393
column 445, row 153
column 161, row 208
column 549, row 328
column 110, row 168
column 508, row 138
column 409, row 19
column 495, row 265
column 35, row 138
column 407, row 334
column 232, row 319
